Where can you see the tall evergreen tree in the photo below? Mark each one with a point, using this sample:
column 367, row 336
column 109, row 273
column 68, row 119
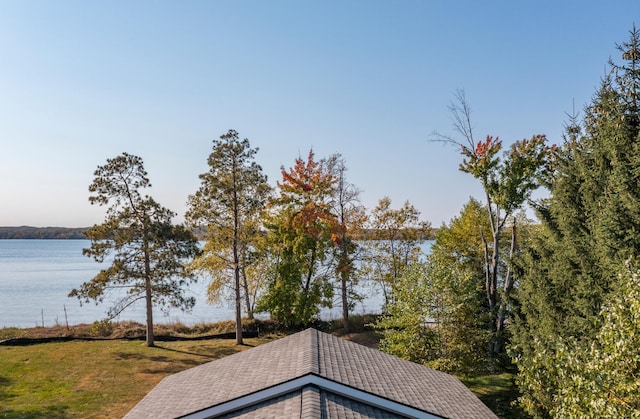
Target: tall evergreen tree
column 229, row 202
column 146, row 249
column 599, row 378
column 590, row 225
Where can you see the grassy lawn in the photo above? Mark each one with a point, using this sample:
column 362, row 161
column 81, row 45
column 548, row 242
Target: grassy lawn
column 105, row 379
column 498, row 392
column 94, row 379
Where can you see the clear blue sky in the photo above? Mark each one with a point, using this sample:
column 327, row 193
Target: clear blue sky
column 83, row 81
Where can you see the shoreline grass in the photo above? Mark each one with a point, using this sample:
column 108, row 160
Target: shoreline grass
column 124, row 329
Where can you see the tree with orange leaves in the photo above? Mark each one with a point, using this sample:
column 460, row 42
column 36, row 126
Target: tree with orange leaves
column 302, row 230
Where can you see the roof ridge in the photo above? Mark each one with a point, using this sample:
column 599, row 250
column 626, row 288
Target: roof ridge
column 310, row 357
column 313, row 362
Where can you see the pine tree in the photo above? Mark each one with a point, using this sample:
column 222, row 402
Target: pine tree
column 146, row 250
column 229, row 203
column 590, row 226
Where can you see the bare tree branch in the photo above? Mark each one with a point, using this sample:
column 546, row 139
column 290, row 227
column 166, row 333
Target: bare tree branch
column 460, row 112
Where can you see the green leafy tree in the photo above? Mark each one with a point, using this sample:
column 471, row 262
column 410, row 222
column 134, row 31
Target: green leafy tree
column 301, row 232
column 590, row 226
column 462, row 315
column 395, row 239
column 230, row 202
column 147, row 250
column 601, row 377
column 508, row 182
column 439, row 315
column 407, row 328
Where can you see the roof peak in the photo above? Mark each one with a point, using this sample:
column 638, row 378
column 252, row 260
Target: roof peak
column 311, row 356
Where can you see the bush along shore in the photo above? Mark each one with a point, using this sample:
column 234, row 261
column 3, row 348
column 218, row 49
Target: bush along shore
column 128, row 330
column 108, row 330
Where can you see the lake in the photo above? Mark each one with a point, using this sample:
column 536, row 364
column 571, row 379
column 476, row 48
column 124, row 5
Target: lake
column 36, row 277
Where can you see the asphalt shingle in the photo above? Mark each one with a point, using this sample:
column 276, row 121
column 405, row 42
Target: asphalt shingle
column 319, row 354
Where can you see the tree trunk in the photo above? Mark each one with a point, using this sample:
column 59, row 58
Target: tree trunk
column 312, row 263
column 236, row 258
column 487, row 270
column 508, row 283
column 495, row 260
column 491, row 274
column 238, row 307
column 345, row 304
column 150, row 336
column 148, row 297
column 344, row 268
column 247, row 299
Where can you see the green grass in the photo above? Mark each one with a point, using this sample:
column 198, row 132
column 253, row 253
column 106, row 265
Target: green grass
column 94, row 379
column 105, row 379
column 499, row 392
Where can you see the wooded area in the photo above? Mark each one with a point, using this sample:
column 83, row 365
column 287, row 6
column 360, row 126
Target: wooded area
column 26, row 232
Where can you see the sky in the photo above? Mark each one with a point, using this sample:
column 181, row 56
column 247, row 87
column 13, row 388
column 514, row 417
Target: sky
column 372, row 80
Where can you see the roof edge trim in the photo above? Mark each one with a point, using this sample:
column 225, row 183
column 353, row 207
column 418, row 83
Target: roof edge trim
column 310, row 379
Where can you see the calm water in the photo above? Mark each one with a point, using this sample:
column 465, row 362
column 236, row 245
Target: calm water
column 37, row 275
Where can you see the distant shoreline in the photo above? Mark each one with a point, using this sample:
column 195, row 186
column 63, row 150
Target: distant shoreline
column 77, row 233
column 42, row 233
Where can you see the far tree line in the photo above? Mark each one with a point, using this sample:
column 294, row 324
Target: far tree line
column 78, row 233
column 27, row 232
column 558, row 298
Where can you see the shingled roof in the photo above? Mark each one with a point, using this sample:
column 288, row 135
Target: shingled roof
column 310, row 375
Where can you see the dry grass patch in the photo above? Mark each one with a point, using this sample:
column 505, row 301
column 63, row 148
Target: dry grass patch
column 369, row 338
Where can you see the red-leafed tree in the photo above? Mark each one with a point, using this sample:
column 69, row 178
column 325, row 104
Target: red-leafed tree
column 302, row 230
